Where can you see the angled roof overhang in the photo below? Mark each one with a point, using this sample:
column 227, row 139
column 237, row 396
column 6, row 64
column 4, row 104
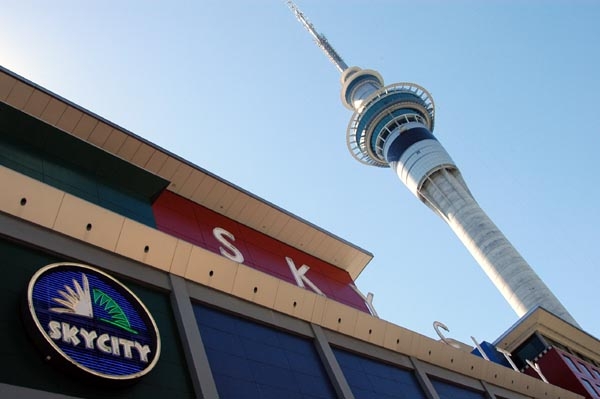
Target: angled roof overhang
column 185, row 178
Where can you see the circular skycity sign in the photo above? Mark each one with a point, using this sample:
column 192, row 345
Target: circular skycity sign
column 91, row 323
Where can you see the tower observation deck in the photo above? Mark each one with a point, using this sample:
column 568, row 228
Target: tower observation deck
column 392, row 127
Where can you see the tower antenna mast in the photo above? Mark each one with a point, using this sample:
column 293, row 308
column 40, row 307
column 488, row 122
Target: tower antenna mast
column 319, row 38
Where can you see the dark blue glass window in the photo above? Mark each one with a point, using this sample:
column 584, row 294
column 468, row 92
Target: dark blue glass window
column 370, row 379
column 447, row 390
column 250, row 360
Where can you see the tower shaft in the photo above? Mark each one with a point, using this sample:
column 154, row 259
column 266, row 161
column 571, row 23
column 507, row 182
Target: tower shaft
column 446, row 193
column 424, row 166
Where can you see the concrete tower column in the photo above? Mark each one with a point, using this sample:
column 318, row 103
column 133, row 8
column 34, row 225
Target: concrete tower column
column 445, row 192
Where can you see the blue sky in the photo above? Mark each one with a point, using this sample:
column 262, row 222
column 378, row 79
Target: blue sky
column 239, row 88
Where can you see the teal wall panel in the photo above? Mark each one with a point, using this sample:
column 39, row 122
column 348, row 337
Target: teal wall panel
column 47, row 154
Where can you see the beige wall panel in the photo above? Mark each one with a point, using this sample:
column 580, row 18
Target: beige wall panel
column 100, row 134
column 69, row 119
column 555, row 392
column 227, row 199
column 53, row 111
column 357, row 263
column 370, row 329
column 348, row 259
column 429, row 350
column 200, row 265
column 504, row 377
column 455, row 361
column 352, row 268
column 341, row 256
column 526, row 384
column 181, row 258
column 180, row 177
column 308, row 307
column 85, row 127
column 467, row 364
column 300, row 236
column 88, row 222
column 142, row 243
column 114, row 141
column 29, row 199
column 37, row 103
column 480, row 368
column 212, row 198
column 294, row 301
column 550, row 391
column 316, row 243
column 399, row 339
column 205, row 186
column 211, row 269
column 255, row 286
column 293, row 232
column 156, row 162
column 254, row 215
column 129, row 148
column 237, row 204
column 191, row 184
column 318, row 309
column 305, row 238
column 19, row 95
column 169, row 167
column 328, row 249
column 6, row 84
column 274, row 222
column 498, row 376
column 339, row 317
column 142, row 155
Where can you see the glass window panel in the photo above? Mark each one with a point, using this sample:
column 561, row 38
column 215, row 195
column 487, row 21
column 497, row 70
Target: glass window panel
column 371, row 379
column 571, row 364
column 590, row 388
column 253, row 361
column 447, row 390
column 585, row 370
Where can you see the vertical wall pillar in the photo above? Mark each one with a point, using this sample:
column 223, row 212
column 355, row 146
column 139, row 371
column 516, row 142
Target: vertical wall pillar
column 488, row 391
column 424, row 380
column 334, row 371
column 195, row 355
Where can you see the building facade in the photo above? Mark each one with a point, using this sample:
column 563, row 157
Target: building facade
column 249, row 300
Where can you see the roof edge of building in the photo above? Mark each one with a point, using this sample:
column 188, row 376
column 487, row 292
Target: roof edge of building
column 553, row 327
column 311, row 239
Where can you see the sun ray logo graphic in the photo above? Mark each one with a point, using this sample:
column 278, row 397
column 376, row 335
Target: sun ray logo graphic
column 77, row 301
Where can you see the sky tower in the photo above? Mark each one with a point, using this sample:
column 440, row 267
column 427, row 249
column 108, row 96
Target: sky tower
column 392, row 127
